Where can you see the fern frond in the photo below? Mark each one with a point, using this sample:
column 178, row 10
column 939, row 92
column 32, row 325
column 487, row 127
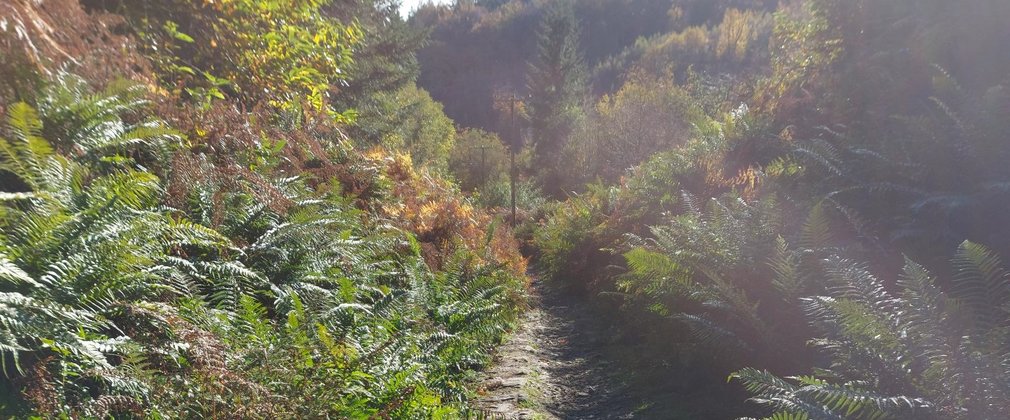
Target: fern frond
column 816, row 233
column 14, row 275
column 27, row 155
column 851, row 280
column 786, row 266
column 711, row 335
column 983, row 285
column 854, row 402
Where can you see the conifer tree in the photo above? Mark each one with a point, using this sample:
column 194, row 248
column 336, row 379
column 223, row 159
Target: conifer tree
column 557, row 84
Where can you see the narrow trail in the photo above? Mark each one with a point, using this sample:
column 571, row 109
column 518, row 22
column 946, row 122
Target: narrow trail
column 553, row 367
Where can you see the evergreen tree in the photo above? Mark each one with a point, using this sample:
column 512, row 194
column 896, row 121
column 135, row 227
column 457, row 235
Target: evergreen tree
column 556, row 82
column 386, row 59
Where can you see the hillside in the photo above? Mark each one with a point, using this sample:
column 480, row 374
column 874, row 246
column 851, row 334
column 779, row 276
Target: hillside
column 670, row 209
column 804, row 196
column 198, row 221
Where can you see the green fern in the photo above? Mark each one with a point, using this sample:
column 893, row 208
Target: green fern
column 811, row 398
column 132, row 308
column 785, row 263
column 27, row 155
column 982, row 285
column 903, row 355
column 91, row 126
column 691, row 270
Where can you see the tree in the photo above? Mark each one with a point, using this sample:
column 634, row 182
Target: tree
column 647, row 115
column 556, row 82
column 385, row 59
column 409, row 121
column 283, row 53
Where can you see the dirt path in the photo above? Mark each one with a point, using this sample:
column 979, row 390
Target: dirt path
column 552, row 366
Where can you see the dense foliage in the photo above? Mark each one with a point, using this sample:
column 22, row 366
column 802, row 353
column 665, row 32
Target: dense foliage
column 237, row 256
column 255, row 208
column 740, row 161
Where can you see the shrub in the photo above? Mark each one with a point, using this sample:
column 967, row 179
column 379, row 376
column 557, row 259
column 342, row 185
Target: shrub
column 285, row 53
column 647, row 116
column 407, row 121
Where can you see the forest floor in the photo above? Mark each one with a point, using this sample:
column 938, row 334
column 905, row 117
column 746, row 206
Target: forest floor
column 570, row 360
column 554, row 366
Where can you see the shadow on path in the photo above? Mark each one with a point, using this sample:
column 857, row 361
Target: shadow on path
column 567, row 361
column 552, row 367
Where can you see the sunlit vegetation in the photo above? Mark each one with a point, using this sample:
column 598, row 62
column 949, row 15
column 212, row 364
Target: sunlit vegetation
column 209, row 242
column 805, row 193
column 303, row 209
